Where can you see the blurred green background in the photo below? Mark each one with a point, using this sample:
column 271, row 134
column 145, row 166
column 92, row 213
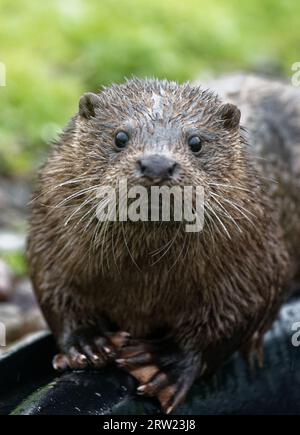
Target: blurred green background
column 54, row 51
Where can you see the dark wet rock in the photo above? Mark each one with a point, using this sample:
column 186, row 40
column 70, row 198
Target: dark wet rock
column 235, row 390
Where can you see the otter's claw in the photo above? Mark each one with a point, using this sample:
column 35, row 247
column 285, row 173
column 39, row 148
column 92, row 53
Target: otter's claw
column 162, row 371
column 85, row 351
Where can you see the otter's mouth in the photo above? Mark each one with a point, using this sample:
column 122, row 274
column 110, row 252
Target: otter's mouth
column 157, row 182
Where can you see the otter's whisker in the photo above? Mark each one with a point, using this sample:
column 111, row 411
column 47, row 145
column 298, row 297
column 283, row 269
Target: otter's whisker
column 87, row 201
column 168, row 248
column 160, row 249
column 76, row 194
column 220, row 221
column 226, row 212
column 64, row 183
column 127, row 247
column 238, row 207
column 231, row 186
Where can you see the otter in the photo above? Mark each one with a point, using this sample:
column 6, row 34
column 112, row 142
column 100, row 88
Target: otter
column 166, row 305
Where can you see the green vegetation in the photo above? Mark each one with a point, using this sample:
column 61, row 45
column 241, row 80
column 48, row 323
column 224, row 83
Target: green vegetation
column 16, row 261
column 54, row 51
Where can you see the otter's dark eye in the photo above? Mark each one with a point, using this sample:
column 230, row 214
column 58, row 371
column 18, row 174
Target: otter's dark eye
column 195, row 143
column 121, row 139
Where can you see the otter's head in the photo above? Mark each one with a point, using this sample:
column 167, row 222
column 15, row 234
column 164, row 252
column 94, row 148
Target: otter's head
column 159, row 132
column 153, row 132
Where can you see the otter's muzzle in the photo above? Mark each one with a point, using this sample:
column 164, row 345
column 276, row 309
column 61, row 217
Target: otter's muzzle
column 157, row 167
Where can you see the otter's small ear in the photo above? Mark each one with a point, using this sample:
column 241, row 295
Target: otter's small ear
column 87, row 104
column 230, row 115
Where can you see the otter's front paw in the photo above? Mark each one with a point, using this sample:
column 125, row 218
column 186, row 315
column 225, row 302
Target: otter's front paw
column 170, row 387
column 162, row 370
column 86, row 348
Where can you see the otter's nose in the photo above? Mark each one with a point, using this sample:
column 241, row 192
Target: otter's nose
column 157, row 167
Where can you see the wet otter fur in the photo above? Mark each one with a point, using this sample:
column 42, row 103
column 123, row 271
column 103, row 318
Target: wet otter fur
column 166, row 305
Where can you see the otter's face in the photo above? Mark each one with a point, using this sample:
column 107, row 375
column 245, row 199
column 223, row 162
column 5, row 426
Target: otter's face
column 157, row 132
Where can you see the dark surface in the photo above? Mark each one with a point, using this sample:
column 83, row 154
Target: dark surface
column 28, row 385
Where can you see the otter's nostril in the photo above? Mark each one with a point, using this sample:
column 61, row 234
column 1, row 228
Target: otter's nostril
column 140, row 166
column 172, row 169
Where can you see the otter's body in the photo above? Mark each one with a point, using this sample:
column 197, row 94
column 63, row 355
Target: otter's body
column 204, row 295
column 270, row 110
